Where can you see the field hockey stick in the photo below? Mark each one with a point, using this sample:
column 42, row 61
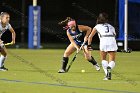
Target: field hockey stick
column 8, row 44
column 74, row 57
column 2, row 45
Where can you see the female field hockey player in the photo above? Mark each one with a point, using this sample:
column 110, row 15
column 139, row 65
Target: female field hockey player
column 75, row 33
column 4, row 26
column 106, row 33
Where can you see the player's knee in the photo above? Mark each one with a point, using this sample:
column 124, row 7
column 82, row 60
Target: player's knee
column 87, row 57
column 4, row 53
column 66, row 54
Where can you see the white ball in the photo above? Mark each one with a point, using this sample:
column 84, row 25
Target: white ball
column 82, row 70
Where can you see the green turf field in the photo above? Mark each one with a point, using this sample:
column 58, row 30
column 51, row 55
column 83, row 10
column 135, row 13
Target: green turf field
column 35, row 71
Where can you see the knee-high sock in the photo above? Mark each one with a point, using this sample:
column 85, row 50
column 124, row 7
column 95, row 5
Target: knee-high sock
column 2, row 59
column 64, row 62
column 104, row 65
column 92, row 61
column 111, row 64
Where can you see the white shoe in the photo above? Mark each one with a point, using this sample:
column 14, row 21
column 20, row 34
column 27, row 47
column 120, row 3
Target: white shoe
column 105, row 78
column 97, row 67
column 61, row 71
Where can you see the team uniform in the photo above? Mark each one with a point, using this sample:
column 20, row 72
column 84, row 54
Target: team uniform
column 78, row 36
column 2, row 30
column 106, row 33
column 2, row 58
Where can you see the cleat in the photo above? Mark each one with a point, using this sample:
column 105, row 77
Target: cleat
column 108, row 73
column 3, row 68
column 97, row 67
column 61, row 71
column 105, row 78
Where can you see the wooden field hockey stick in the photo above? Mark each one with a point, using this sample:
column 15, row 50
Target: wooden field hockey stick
column 74, row 58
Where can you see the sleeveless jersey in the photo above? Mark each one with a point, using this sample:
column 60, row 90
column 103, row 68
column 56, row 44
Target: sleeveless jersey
column 3, row 29
column 77, row 36
column 106, row 33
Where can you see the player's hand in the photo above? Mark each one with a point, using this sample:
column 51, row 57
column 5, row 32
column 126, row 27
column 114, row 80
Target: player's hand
column 11, row 43
column 90, row 48
column 77, row 50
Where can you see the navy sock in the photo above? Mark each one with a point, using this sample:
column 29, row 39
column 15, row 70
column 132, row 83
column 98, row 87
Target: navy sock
column 92, row 61
column 64, row 62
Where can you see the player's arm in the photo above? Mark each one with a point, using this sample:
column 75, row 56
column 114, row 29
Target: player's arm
column 90, row 38
column 72, row 41
column 86, row 29
column 13, row 35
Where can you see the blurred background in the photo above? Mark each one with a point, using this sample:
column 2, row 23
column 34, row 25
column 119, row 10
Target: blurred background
column 54, row 11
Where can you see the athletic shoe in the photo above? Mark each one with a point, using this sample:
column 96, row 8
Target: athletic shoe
column 3, row 68
column 61, row 71
column 105, row 78
column 109, row 73
column 97, row 67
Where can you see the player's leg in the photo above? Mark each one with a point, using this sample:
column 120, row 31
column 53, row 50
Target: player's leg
column 111, row 64
column 112, row 55
column 70, row 49
column 104, row 63
column 2, row 59
column 90, row 58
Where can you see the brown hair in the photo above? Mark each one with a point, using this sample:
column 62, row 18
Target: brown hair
column 102, row 18
column 64, row 22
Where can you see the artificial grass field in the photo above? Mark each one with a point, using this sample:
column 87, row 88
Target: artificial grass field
column 35, row 71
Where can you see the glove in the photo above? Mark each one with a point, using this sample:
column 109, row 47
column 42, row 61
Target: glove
column 90, row 48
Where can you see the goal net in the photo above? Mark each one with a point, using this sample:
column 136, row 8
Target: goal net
column 129, row 21
column 133, row 20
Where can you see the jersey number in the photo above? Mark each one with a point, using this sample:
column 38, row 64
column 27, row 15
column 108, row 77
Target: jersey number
column 107, row 29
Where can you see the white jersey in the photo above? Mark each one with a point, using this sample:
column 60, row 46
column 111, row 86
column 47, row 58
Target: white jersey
column 106, row 33
column 3, row 29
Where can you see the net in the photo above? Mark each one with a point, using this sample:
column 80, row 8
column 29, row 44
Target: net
column 133, row 20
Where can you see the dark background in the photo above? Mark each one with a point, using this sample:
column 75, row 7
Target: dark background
column 53, row 11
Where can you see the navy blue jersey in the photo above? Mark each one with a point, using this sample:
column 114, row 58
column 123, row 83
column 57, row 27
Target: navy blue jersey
column 77, row 36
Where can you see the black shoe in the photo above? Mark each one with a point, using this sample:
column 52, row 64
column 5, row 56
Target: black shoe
column 61, row 71
column 108, row 73
column 3, row 68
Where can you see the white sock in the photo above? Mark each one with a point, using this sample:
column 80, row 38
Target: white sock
column 105, row 65
column 2, row 59
column 111, row 64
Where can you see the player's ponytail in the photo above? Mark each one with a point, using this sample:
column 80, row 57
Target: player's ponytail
column 64, row 22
